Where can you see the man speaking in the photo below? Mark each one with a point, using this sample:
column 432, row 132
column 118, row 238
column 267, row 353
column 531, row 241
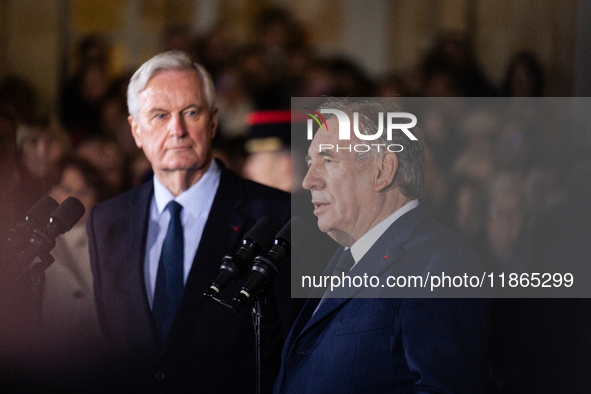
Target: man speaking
column 369, row 203
column 155, row 249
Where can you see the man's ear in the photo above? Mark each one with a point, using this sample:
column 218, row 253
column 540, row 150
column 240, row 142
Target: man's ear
column 214, row 121
column 387, row 168
column 135, row 130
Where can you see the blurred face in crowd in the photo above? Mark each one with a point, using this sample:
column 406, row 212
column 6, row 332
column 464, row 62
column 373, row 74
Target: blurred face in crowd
column 522, row 82
column 94, row 84
column 467, row 201
column 269, row 168
column 505, row 222
column 41, row 154
column 175, row 126
column 107, row 158
column 114, row 119
column 73, row 184
column 342, row 187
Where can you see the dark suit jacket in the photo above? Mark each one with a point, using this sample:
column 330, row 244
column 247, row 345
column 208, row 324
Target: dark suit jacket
column 208, row 348
column 392, row 345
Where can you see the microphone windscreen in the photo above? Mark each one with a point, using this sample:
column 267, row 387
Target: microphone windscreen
column 68, row 214
column 42, row 209
column 263, row 232
column 301, row 231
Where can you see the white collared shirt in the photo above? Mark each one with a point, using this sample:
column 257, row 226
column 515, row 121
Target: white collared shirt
column 363, row 244
column 196, row 202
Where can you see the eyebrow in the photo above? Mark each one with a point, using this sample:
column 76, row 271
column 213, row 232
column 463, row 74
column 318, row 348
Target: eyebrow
column 190, row 106
column 153, row 110
column 322, row 154
column 193, row 106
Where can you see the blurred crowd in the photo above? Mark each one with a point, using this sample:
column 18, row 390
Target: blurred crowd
column 511, row 191
column 481, row 179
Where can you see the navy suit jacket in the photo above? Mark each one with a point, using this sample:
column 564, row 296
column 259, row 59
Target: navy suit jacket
column 208, row 348
column 392, row 345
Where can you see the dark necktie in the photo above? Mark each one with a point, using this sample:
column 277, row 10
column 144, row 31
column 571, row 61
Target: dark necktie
column 169, row 279
column 346, row 261
column 344, row 264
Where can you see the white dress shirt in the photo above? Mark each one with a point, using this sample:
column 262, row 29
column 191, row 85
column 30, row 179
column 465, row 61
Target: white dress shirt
column 363, row 244
column 196, row 202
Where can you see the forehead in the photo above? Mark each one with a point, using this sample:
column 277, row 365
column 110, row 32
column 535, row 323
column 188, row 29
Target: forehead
column 325, row 137
column 72, row 175
column 173, row 87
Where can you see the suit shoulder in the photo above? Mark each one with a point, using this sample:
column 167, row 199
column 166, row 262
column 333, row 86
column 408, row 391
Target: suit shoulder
column 252, row 199
column 254, row 190
column 122, row 202
column 262, row 191
column 444, row 243
column 433, row 231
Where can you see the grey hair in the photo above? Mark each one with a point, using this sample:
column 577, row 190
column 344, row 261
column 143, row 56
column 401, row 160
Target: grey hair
column 171, row 60
column 410, row 176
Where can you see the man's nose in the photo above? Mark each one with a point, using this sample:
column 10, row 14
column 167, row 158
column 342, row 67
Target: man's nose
column 312, row 180
column 176, row 126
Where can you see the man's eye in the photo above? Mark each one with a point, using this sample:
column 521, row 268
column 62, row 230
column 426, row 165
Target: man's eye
column 159, row 116
column 190, row 113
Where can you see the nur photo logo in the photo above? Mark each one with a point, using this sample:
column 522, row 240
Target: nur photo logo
column 344, row 124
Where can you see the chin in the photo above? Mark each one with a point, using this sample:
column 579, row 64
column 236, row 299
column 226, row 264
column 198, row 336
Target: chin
column 324, row 227
column 339, row 237
column 184, row 164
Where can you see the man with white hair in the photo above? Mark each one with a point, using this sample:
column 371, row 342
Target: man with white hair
column 155, row 249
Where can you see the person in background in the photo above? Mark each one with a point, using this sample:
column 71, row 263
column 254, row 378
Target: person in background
column 504, row 246
column 83, row 94
column 8, row 170
column 41, row 146
column 106, row 155
column 16, row 197
column 114, row 116
column 268, row 158
column 451, row 64
column 524, row 77
column 234, row 103
column 177, row 38
column 70, row 324
column 13, row 200
column 464, row 206
column 18, row 94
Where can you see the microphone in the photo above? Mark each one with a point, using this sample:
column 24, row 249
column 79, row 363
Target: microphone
column 266, row 268
column 236, row 266
column 36, row 217
column 62, row 219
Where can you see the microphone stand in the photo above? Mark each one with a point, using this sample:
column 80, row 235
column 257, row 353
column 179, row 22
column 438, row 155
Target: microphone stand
column 259, row 309
column 258, row 312
column 36, row 273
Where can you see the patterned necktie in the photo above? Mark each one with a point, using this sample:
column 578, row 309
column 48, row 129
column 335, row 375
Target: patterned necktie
column 169, row 279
